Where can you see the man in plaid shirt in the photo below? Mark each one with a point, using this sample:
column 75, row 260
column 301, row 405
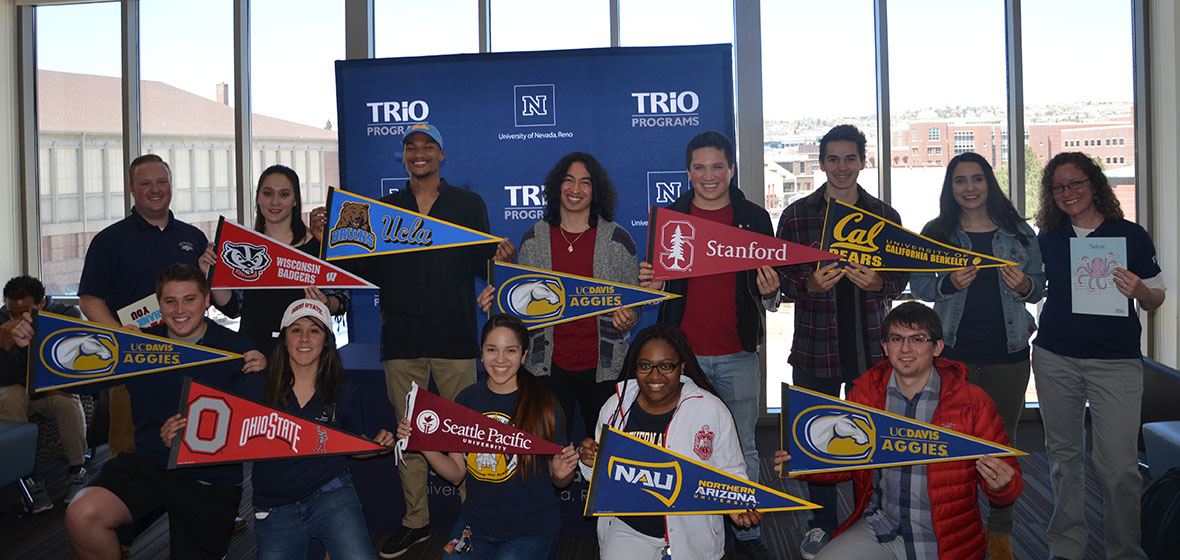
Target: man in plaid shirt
column 839, row 307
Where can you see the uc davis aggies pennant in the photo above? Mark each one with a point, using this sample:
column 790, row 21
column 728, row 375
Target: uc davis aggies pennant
column 438, row 424
column 225, row 428
column 862, row 237
column 824, row 434
column 68, row 352
column 634, row 477
column 542, row 297
column 363, row 227
column 247, row 260
column 683, row 246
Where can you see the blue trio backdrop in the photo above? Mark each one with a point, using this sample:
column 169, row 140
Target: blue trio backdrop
column 507, row 118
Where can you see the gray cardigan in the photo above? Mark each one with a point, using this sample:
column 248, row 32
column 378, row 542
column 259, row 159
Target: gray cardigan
column 615, row 261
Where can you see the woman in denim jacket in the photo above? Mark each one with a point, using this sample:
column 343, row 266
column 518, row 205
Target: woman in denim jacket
column 985, row 322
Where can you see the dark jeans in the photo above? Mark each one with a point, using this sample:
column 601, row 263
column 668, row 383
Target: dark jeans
column 824, row 495
column 578, row 387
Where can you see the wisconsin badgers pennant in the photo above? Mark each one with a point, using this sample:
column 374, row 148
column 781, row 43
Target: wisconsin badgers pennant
column 225, row 428
column 634, row 477
column 824, row 434
column 67, row 352
column 683, row 246
column 438, row 424
column 862, row 237
column 542, row 297
column 363, row 227
column 248, row 260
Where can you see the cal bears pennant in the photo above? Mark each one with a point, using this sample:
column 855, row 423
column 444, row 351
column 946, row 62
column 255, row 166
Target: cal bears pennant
column 541, row 298
column 634, row 477
column 825, row 434
column 68, row 352
column 683, row 246
column 438, row 424
column 247, row 260
column 865, row 238
column 225, row 428
column 363, row 227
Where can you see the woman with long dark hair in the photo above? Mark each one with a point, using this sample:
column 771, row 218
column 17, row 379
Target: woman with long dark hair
column 511, row 510
column 278, row 207
column 984, row 320
column 1081, row 357
column 665, row 398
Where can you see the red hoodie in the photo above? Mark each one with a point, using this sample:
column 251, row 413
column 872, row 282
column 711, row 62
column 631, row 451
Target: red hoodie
column 954, row 504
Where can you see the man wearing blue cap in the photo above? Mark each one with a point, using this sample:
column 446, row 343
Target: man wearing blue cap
column 428, row 325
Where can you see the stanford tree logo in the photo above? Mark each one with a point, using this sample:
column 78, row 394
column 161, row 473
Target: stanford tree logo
column 675, row 243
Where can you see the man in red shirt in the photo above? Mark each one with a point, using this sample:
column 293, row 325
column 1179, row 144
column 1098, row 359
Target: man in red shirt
column 725, row 332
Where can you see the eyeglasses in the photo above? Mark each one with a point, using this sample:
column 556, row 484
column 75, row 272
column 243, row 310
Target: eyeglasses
column 914, row 339
column 1073, row 186
column 664, row 367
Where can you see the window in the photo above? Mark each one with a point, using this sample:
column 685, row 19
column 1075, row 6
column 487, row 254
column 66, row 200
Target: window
column 934, row 134
column 671, row 22
column 914, row 136
column 402, row 28
column 533, row 25
column 964, row 141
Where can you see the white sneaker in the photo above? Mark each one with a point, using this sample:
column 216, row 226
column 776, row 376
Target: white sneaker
column 813, row 542
column 41, row 500
column 75, row 483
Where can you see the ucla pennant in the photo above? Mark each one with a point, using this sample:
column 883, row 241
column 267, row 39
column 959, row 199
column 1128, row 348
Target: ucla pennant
column 541, row 298
column 67, row 352
column 634, row 477
column 824, row 434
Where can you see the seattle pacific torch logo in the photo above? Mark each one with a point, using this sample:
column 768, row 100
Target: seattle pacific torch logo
column 676, row 249
column 247, row 261
column 836, row 434
column 533, row 297
column 80, row 352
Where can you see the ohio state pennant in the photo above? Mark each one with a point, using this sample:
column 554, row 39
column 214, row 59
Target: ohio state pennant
column 825, row 434
column 363, row 227
column 865, row 238
column 683, row 246
column 438, row 424
column 225, row 428
column 634, row 477
column 541, row 298
column 68, row 352
column 249, row 260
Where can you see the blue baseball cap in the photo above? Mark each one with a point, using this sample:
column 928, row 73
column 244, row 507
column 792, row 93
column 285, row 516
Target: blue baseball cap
column 427, row 129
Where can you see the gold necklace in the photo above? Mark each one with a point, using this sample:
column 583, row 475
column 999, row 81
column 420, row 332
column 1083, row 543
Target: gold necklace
column 567, row 240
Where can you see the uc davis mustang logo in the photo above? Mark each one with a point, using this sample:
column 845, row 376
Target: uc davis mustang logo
column 353, row 226
column 247, row 261
column 80, row 352
column 533, row 297
column 676, row 250
column 836, row 434
column 661, row 480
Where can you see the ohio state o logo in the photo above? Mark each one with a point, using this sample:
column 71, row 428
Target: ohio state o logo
column 205, row 413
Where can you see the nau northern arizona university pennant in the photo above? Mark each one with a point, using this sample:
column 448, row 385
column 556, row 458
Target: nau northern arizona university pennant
column 634, row 477
column 363, row 227
column 683, row 246
column 865, row 238
column 247, row 260
column 825, row 434
column 438, row 424
column 542, row 298
column 225, row 428
column 67, row 352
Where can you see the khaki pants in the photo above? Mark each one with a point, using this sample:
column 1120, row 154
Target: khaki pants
column 451, row 376
column 66, row 409
column 122, row 433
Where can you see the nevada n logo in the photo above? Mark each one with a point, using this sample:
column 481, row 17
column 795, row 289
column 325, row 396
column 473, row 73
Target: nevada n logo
column 80, row 352
column 247, row 261
column 676, row 250
column 534, row 297
column 352, row 227
column 836, row 434
column 661, row 480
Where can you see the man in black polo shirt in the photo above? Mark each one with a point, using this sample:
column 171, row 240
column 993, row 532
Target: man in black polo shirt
column 201, row 501
column 124, row 259
column 428, row 325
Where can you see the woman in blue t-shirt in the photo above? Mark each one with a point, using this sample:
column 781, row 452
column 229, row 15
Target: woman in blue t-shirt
column 1099, row 267
column 984, row 320
column 512, row 509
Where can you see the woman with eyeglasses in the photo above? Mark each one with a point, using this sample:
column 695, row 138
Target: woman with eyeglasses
column 1079, row 357
column 664, row 398
column 984, row 320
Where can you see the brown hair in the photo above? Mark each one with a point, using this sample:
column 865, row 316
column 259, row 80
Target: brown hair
column 1049, row 216
column 181, row 273
column 144, row 159
column 280, row 378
